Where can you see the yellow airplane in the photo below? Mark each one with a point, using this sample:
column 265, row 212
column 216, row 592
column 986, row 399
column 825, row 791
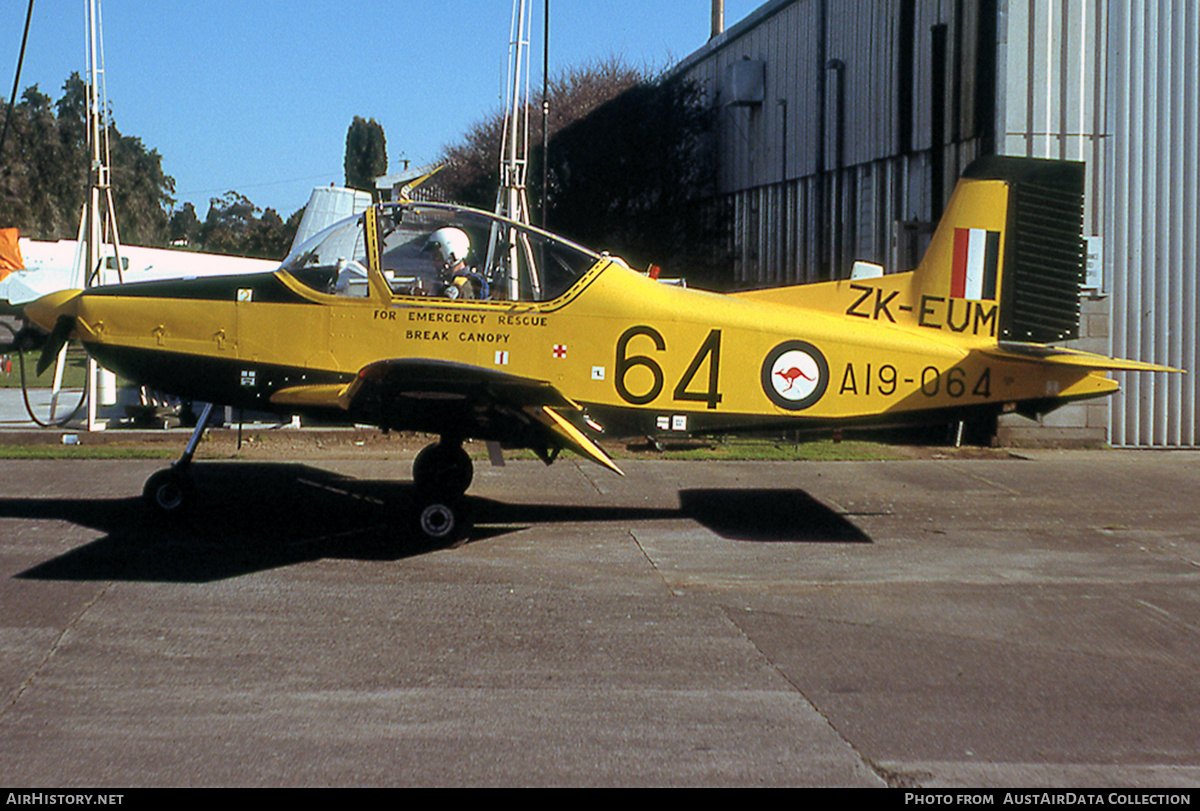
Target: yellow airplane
column 382, row 319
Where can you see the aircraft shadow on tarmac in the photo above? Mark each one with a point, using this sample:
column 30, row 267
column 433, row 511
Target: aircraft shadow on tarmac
column 262, row 516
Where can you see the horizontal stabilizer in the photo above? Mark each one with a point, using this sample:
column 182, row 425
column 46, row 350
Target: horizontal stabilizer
column 1011, row 350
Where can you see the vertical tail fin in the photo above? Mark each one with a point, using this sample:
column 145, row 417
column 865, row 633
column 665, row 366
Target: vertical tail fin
column 1011, row 233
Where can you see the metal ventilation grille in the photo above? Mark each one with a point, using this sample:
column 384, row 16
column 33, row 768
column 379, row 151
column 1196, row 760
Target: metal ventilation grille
column 1045, row 263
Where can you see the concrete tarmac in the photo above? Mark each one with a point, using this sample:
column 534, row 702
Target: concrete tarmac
column 1011, row 622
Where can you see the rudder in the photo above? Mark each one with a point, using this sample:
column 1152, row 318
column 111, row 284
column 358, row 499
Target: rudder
column 1044, row 256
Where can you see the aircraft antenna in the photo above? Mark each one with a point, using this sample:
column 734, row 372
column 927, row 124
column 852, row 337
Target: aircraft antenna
column 512, row 200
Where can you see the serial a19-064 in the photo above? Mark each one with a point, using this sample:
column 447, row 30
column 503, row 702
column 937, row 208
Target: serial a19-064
column 440, row 319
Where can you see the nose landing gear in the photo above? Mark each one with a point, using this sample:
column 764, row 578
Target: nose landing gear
column 171, row 492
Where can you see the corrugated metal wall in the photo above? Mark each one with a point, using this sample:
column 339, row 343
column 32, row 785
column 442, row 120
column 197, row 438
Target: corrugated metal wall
column 1153, row 181
column 1052, row 99
column 1051, row 104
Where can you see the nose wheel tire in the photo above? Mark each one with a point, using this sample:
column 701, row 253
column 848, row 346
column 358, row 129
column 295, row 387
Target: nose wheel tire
column 169, row 492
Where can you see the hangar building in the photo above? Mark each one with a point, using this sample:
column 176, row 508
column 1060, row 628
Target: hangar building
column 842, row 126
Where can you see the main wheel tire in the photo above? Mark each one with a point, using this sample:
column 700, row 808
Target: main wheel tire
column 440, row 522
column 169, row 492
column 443, row 468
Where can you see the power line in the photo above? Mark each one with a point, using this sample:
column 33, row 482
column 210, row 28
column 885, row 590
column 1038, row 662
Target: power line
column 253, row 185
column 12, row 100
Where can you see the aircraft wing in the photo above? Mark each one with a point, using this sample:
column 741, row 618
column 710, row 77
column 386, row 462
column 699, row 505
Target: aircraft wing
column 450, row 398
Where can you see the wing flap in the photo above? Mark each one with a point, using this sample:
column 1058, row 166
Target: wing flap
column 572, row 437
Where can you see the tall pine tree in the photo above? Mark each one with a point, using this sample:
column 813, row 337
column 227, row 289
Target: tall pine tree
column 366, row 154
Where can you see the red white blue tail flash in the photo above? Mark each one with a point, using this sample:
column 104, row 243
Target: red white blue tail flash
column 976, row 258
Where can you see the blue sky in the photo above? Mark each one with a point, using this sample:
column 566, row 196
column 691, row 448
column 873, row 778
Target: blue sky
column 256, row 95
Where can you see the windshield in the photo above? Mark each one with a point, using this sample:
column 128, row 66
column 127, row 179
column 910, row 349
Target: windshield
column 440, row 250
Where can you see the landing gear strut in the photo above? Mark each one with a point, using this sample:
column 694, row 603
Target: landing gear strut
column 442, row 472
column 171, row 492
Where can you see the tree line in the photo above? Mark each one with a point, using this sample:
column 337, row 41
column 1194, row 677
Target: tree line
column 44, row 182
column 44, row 171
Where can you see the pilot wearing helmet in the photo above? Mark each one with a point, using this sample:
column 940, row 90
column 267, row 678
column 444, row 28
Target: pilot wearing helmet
column 449, row 248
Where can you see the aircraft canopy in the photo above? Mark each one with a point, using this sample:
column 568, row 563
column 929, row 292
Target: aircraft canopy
column 506, row 260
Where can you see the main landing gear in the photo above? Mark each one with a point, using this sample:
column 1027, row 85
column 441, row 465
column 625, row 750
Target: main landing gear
column 442, row 472
column 171, row 492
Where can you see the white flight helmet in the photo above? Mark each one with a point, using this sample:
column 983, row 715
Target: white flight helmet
column 452, row 245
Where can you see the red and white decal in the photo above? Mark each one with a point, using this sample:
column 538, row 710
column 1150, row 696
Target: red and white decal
column 976, row 260
column 559, row 351
column 795, row 374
